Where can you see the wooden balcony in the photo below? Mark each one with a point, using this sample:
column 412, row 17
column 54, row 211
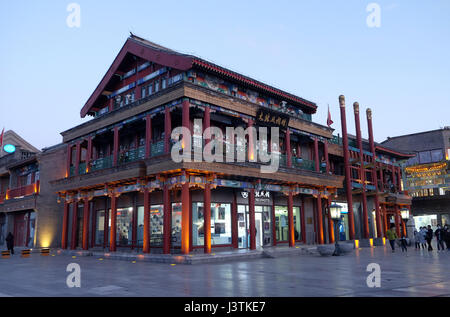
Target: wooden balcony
column 23, row 191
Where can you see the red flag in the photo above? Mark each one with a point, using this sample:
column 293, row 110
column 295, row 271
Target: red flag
column 329, row 121
column 1, row 138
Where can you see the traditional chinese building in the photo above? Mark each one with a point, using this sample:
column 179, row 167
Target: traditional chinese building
column 122, row 189
column 427, row 176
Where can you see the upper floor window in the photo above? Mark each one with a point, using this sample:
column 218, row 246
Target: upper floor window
column 436, row 156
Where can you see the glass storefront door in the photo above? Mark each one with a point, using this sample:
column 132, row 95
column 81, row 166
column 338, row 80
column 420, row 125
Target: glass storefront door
column 262, row 224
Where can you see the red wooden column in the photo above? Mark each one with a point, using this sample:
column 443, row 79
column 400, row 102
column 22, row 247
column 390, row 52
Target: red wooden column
column 207, row 122
column 185, row 219
column 148, row 136
column 251, row 153
column 110, row 104
column 394, row 178
column 325, row 153
column 106, row 224
column 167, row 130
column 385, row 216
column 403, row 227
column 73, row 238
column 302, row 214
column 69, row 159
column 77, row 158
column 65, row 225
column 397, row 220
column 316, row 154
column 116, row 146
column 288, row 148
column 89, row 155
column 399, row 178
column 186, row 122
column 362, row 171
column 319, row 219
column 290, row 203
column 146, row 242
column 274, row 227
column 113, row 230
column 251, row 214
column 86, row 224
column 207, row 218
column 348, row 184
column 330, row 223
column 167, row 219
column 374, row 172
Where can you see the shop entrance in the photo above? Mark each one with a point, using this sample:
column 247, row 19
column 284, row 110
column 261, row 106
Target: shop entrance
column 262, row 224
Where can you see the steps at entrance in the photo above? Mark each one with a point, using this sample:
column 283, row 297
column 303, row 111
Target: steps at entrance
column 197, row 258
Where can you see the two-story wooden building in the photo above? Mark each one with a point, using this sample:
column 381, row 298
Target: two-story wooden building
column 122, row 189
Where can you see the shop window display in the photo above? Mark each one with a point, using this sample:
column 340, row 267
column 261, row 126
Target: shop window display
column 220, row 224
column 124, row 226
column 156, row 225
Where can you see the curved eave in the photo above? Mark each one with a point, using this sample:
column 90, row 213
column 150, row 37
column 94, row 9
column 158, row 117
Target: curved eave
column 392, row 152
column 224, row 72
column 136, row 48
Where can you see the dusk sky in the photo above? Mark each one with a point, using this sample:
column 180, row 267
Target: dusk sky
column 314, row 49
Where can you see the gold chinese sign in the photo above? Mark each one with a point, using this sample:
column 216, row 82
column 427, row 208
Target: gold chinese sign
column 266, row 117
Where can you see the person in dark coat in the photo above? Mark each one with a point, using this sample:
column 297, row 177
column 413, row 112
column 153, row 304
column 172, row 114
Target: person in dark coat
column 447, row 236
column 429, row 237
column 10, row 242
column 440, row 237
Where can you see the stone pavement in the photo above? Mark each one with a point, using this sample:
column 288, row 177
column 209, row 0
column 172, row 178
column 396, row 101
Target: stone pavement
column 417, row 273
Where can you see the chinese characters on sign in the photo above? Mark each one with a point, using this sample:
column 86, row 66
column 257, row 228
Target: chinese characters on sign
column 266, row 117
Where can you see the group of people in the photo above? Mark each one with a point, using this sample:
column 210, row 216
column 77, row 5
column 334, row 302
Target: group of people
column 425, row 235
column 422, row 238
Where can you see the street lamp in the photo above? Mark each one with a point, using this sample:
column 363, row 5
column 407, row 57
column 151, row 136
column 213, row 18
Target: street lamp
column 405, row 216
column 335, row 213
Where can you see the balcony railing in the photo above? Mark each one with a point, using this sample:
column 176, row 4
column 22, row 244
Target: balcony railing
column 101, row 163
column 132, row 155
column 336, row 140
column 303, row 164
column 23, row 191
column 157, row 148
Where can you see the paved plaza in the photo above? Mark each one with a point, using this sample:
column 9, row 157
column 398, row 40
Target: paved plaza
column 419, row 273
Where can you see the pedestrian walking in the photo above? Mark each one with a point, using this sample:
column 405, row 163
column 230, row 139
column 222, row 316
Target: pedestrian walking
column 422, row 237
column 403, row 244
column 447, row 236
column 416, row 239
column 439, row 233
column 10, row 242
column 392, row 236
column 429, row 238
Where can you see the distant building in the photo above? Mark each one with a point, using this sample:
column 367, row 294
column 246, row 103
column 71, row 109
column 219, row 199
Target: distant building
column 427, row 176
column 26, row 201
